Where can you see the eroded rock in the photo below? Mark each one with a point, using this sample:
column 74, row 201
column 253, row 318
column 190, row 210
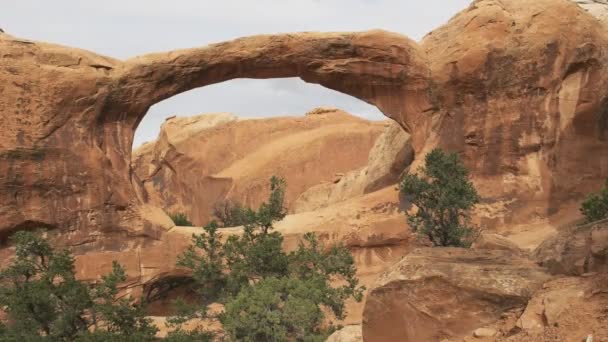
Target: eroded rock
column 576, row 250
column 200, row 161
column 437, row 293
column 387, row 161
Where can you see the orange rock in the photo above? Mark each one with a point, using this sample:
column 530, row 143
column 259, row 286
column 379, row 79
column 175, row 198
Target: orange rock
column 199, row 161
column 499, row 83
column 435, row 293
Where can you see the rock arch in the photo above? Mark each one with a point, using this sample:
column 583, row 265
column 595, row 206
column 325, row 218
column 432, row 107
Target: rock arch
column 491, row 84
column 71, row 115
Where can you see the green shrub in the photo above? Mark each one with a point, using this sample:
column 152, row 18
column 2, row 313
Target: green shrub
column 270, row 295
column 42, row 298
column 443, row 196
column 595, row 207
column 180, row 219
column 231, row 214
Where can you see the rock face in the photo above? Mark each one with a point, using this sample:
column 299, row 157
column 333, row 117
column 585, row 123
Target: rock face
column 518, row 99
column 197, row 162
column 576, row 250
column 566, row 309
column 65, row 153
column 518, row 88
column 388, row 159
column 371, row 226
column 433, row 293
column 597, row 8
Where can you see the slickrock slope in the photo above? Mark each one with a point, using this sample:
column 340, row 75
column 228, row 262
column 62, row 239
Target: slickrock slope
column 197, row 162
column 388, row 159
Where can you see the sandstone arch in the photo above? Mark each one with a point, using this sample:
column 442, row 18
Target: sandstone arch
column 490, row 84
column 67, row 152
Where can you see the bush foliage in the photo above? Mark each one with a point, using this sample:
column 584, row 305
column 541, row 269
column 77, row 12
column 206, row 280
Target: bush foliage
column 44, row 301
column 270, row 295
column 181, row 219
column 444, row 197
column 595, row 207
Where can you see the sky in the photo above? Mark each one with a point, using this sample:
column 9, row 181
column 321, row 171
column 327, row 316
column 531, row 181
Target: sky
column 127, row 28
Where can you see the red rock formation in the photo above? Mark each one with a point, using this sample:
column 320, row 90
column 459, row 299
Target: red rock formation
column 199, row 161
column 516, row 87
column 69, row 116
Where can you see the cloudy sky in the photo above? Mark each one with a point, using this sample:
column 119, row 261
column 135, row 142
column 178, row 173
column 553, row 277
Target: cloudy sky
column 126, row 28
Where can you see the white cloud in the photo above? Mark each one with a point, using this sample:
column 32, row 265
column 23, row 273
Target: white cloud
column 125, row 28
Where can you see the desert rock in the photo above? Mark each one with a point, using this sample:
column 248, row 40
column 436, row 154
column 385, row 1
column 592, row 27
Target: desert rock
column 200, row 161
column 498, row 83
column 437, row 293
column 566, row 309
column 388, row 159
column 597, row 8
column 350, row 333
column 575, row 250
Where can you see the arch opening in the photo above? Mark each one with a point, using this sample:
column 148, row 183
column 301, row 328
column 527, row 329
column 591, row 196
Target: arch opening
column 251, row 98
column 199, row 162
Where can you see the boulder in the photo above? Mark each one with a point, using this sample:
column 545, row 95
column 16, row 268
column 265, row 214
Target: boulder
column 487, row 240
column 565, row 309
column 436, row 293
column 576, row 250
column 484, row 332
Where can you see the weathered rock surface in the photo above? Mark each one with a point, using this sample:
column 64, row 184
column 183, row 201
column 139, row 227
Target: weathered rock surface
column 518, row 88
column 516, row 82
column 350, row 333
column 597, row 8
column 65, row 152
column 388, row 159
column 199, row 161
column 576, row 250
column 438, row 293
column 565, row 309
column 496, row 242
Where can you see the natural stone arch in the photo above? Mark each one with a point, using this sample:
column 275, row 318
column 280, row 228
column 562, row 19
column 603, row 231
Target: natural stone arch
column 491, row 84
column 84, row 119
